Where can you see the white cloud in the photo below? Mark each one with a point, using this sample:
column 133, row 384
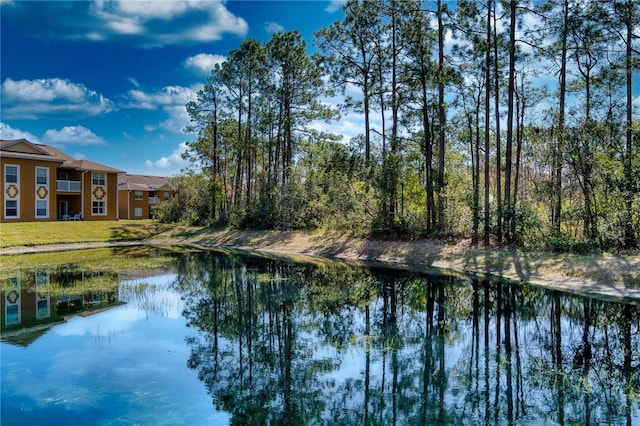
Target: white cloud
column 169, row 95
column 171, row 100
column 146, row 24
column 178, row 119
column 8, row 132
column 273, row 28
column 72, row 135
column 31, row 99
column 163, row 23
column 166, row 10
column 42, row 90
column 126, row 27
column 334, row 5
column 173, row 162
column 134, row 82
column 345, row 128
column 203, row 63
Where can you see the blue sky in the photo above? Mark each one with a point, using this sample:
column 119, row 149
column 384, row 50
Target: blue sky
column 108, row 81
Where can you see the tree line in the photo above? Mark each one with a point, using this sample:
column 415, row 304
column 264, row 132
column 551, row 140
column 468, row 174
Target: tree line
column 508, row 122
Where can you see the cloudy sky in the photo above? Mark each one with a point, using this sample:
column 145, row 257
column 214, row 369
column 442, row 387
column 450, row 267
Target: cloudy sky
column 108, row 80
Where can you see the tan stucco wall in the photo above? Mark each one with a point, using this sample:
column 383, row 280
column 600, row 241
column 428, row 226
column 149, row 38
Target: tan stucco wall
column 27, row 189
column 111, row 198
column 127, row 200
column 78, row 203
column 122, row 204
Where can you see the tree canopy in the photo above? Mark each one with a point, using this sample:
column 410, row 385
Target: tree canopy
column 518, row 114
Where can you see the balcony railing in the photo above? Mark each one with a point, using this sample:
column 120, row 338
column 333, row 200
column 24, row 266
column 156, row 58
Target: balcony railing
column 68, row 186
column 154, row 200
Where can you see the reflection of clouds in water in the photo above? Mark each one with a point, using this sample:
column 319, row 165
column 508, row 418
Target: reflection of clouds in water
column 104, row 324
column 152, row 296
column 118, row 350
column 142, row 297
column 136, row 354
column 140, row 357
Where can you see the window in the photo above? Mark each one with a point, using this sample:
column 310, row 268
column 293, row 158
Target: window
column 98, row 179
column 63, row 176
column 42, row 277
column 42, row 309
column 11, row 208
column 12, row 301
column 12, row 314
column 42, row 175
column 41, row 208
column 42, row 299
column 98, row 207
column 137, row 211
column 138, row 195
column 11, row 174
column 166, row 196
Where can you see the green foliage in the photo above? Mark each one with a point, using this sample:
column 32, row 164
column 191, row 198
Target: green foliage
column 572, row 172
column 564, row 244
column 191, row 204
column 526, row 224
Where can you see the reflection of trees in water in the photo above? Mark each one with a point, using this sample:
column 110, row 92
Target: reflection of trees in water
column 299, row 344
column 592, row 364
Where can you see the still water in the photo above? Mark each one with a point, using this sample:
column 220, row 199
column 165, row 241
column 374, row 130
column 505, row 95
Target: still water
column 217, row 338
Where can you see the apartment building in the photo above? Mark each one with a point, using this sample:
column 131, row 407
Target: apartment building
column 138, row 194
column 42, row 183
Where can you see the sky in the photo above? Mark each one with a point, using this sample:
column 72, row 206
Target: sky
column 108, row 81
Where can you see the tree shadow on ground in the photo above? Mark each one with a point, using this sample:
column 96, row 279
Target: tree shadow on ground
column 137, row 231
column 607, row 275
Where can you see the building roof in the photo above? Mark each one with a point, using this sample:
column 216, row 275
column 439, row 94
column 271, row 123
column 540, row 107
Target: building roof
column 22, row 148
column 79, row 164
column 144, row 183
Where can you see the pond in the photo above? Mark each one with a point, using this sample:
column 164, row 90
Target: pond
column 217, row 338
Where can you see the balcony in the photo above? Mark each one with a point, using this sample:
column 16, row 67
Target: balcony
column 68, row 186
column 154, row 200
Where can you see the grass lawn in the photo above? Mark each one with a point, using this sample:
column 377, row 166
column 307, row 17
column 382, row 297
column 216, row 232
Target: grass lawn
column 39, row 233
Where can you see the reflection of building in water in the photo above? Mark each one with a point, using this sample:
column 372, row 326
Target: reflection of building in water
column 12, row 302
column 28, row 309
column 43, row 306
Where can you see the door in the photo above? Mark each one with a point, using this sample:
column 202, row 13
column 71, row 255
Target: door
column 63, row 210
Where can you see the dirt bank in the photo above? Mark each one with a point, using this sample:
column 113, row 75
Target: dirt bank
column 609, row 275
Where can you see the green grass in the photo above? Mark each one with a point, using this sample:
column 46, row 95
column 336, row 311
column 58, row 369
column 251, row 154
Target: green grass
column 39, row 233
column 102, row 263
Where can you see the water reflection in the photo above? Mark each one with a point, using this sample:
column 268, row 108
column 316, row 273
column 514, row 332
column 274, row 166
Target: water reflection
column 276, row 342
column 116, row 365
column 281, row 343
column 34, row 300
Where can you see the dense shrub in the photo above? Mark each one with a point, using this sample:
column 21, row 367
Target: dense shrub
column 563, row 244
